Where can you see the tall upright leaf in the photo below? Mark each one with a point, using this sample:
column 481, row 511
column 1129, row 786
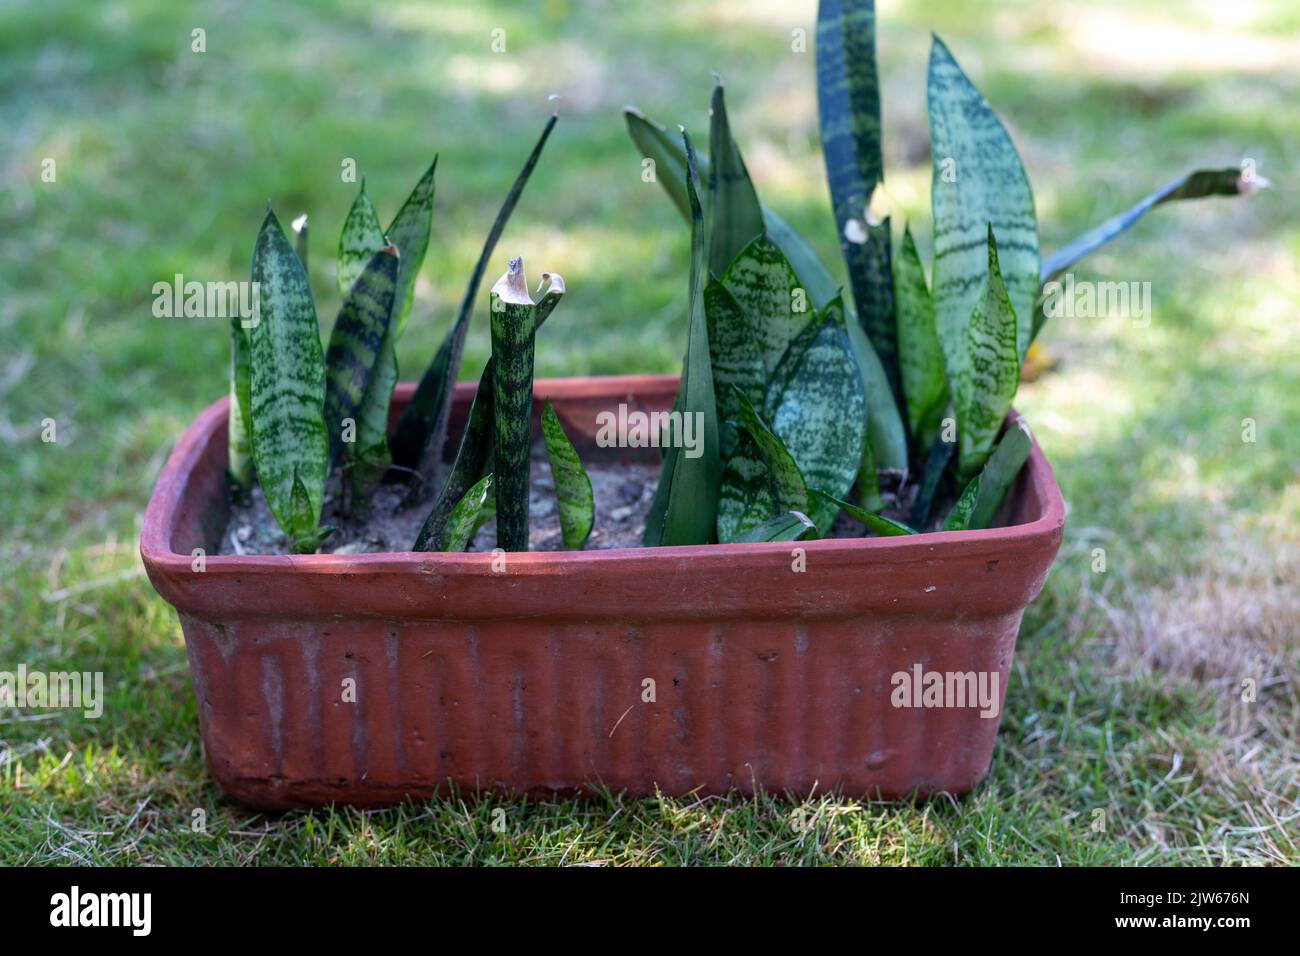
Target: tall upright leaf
column 238, row 439
column 287, row 391
column 737, row 358
column 978, row 179
column 685, row 506
column 888, row 434
column 421, row 431
column 770, row 296
column 987, row 384
column 574, row 500
column 360, row 238
column 409, row 232
column 979, row 502
column 734, row 218
column 848, row 102
column 359, row 333
column 920, row 354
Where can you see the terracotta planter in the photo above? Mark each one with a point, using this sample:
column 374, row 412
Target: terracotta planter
column 534, row 678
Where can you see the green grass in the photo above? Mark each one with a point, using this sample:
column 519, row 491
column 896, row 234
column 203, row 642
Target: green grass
column 1126, row 685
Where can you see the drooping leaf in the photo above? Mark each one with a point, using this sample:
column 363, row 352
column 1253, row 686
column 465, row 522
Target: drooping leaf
column 685, row 505
column 735, row 218
column 888, row 434
column 577, row 505
column 354, row 349
column 239, row 441
column 819, row 411
column 791, row 526
column 848, row 101
column 472, row 458
column 886, row 527
column 361, row 238
column 418, row 440
column 982, row 497
column 737, row 357
column 978, row 179
column 991, row 373
column 1193, row 185
column 920, row 354
column 287, row 390
column 761, row 479
column 474, row 509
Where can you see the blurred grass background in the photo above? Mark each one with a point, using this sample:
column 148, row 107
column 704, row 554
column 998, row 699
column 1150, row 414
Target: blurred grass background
column 1126, row 689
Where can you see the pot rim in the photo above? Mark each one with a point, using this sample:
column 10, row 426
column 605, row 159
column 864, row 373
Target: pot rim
column 166, row 500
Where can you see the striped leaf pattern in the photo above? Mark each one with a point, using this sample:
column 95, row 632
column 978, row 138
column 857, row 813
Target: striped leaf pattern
column 287, row 390
column 978, row 179
column 735, row 218
column 848, row 101
column 736, row 355
column 791, row 526
column 820, row 413
column 920, row 354
column 359, row 333
column 574, row 499
column 988, row 381
column 360, row 239
column 761, row 479
column 474, row 509
column 421, row 432
column 686, row 501
column 765, row 286
column 979, row 502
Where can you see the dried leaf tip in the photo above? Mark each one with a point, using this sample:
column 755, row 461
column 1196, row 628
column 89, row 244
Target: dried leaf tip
column 513, row 286
column 554, row 100
column 300, row 223
column 1250, row 182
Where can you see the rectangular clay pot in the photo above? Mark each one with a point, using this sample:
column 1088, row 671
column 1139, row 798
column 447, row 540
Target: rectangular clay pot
column 772, row 665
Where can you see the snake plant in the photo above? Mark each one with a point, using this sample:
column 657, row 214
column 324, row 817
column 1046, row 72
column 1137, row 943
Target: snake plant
column 816, row 391
column 298, row 412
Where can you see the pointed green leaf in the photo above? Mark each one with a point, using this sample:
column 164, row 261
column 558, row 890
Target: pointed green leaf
column 239, row 441
column 791, row 526
column 734, row 218
column 848, row 101
column 360, row 239
column 287, row 388
column 472, row 459
column 886, row 527
column 760, row 479
column 356, row 341
column 989, row 378
column 768, row 292
column 737, row 357
column 368, row 460
column 409, row 232
column 920, row 354
column 978, row 179
column 982, row 497
column 471, row 512
column 820, row 412
column 685, row 506
column 417, row 442
column 577, row 505
column 888, row 434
